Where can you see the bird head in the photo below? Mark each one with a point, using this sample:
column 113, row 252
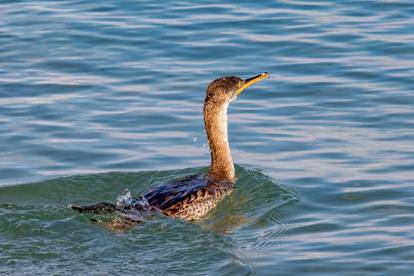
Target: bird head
column 226, row 89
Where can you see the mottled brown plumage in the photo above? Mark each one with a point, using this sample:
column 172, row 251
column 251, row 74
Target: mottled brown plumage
column 189, row 198
column 194, row 196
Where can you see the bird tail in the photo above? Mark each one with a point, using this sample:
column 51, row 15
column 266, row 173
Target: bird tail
column 101, row 208
column 118, row 220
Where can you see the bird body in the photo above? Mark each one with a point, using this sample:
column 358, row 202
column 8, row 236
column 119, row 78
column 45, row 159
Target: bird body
column 192, row 197
column 188, row 198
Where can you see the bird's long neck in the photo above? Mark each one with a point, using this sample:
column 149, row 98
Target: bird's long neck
column 215, row 121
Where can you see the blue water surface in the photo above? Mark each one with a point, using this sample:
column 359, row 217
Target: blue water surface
column 99, row 96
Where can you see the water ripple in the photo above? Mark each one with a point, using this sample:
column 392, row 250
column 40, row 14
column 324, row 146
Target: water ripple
column 88, row 88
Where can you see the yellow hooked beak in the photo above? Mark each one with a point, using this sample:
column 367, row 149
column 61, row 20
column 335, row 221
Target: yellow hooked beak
column 252, row 80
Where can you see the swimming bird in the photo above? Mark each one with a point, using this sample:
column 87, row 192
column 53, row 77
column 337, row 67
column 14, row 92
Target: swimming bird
column 192, row 197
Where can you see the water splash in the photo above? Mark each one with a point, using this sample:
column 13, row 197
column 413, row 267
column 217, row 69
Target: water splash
column 135, row 209
column 124, row 199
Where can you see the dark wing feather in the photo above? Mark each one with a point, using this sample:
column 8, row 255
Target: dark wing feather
column 168, row 194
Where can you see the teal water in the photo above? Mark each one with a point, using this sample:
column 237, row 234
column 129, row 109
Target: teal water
column 97, row 97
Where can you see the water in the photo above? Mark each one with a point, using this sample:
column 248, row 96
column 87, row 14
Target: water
column 99, row 97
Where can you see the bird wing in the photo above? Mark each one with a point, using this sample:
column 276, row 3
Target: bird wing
column 191, row 188
column 168, row 194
